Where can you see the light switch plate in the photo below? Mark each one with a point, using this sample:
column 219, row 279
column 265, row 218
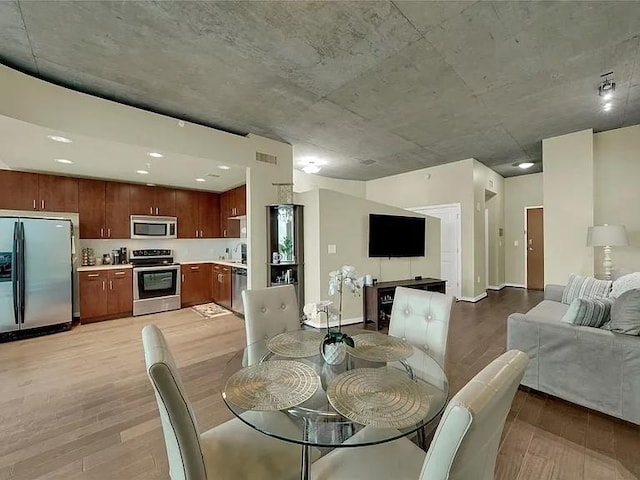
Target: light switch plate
column 332, row 249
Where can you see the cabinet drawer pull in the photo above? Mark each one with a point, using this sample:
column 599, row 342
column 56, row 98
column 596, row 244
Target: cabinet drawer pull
column 150, row 210
column 201, row 235
column 157, row 211
column 196, row 233
column 120, row 273
column 109, row 232
column 195, row 267
column 42, row 203
column 34, row 203
column 93, row 275
column 183, row 278
column 110, row 284
column 104, row 285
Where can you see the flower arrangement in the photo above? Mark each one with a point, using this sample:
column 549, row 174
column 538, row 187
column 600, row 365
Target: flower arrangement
column 343, row 279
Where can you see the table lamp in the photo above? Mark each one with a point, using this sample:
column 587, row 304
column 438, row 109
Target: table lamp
column 607, row 236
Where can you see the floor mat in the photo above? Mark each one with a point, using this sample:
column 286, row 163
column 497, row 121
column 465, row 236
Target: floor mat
column 210, row 310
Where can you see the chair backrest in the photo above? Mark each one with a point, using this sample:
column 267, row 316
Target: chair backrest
column 181, row 434
column 465, row 445
column 422, row 319
column 270, row 311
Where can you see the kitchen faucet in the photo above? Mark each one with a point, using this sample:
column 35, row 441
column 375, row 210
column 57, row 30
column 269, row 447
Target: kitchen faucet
column 237, row 245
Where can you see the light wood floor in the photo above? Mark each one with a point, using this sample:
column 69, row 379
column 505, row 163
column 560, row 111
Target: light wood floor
column 78, row 405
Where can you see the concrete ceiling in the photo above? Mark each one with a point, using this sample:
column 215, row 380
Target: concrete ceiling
column 404, row 84
column 26, row 147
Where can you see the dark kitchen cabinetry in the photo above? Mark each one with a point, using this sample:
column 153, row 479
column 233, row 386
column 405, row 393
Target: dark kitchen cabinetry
column 105, row 294
column 229, row 228
column 33, row 191
column 151, row 200
column 222, row 285
column 196, row 284
column 198, row 214
column 104, row 209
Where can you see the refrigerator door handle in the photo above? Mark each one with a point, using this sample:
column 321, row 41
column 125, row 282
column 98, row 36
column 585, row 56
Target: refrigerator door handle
column 15, row 274
column 21, row 277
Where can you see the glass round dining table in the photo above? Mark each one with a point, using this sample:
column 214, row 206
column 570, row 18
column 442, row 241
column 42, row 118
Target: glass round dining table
column 318, row 425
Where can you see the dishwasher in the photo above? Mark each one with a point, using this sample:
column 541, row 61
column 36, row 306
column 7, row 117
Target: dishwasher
column 238, row 284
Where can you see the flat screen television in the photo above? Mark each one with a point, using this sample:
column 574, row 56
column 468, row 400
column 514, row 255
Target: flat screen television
column 396, row 236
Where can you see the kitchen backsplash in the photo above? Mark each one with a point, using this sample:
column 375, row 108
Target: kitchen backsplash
column 184, row 250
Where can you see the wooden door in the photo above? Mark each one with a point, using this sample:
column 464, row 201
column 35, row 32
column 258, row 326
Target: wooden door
column 142, row 199
column 240, row 195
column 93, row 295
column 18, row 190
column 120, row 299
column 215, row 282
column 535, row 248
column 195, row 284
column 209, row 215
column 91, row 206
column 203, row 282
column 117, row 219
column 57, row 194
column 165, row 202
column 188, row 213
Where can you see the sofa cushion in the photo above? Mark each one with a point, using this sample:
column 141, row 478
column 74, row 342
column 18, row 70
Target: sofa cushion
column 625, row 313
column 547, row 311
column 585, row 287
column 589, row 312
column 625, row 283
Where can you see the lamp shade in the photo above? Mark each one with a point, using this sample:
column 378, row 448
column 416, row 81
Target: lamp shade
column 607, row 235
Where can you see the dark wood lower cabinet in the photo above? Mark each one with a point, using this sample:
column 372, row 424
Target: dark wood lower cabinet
column 196, row 284
column 222, row 285
column 105, row 294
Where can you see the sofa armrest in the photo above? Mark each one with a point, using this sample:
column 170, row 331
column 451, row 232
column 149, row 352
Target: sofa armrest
column 553, row 292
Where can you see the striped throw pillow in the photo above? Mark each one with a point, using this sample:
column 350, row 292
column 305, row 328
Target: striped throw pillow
column 585, row 287
column 589, row 312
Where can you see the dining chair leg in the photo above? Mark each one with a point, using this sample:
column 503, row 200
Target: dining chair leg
column 421, row 439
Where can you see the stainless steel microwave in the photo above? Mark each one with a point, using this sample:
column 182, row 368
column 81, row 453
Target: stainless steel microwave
column 143, row 226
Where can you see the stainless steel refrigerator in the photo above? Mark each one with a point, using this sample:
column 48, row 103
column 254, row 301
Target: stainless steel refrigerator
column 35, row 274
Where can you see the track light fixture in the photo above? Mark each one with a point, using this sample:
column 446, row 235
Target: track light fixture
column 607, row 86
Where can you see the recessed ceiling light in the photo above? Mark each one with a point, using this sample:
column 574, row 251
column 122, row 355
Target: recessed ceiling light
column 155, row 154
column 63, row 160
column 607, row 96
column 58, row 138
column 311, row 168
column 224, row 167
column 607, row 106
column 142, row 172
column 200, row 179
column 525, row 165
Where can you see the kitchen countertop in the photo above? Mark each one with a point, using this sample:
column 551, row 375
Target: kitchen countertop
column 104, row 267
column 219, row 262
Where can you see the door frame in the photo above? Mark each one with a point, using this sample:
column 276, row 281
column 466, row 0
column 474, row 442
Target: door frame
column 458, row 210
column 524, row 243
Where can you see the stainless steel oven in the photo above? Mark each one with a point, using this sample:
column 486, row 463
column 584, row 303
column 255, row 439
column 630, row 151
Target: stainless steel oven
column 156, row 281
column 143, row 226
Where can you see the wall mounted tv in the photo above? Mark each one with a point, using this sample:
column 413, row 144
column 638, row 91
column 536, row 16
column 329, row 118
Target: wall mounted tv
column 395, row 236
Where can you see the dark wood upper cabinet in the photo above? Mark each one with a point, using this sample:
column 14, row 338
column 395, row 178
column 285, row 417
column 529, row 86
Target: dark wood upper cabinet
column 117, row 219
column 57, row 194
column 141, row 200
column 240, row 200
column 92, row 208
column 209, row 215
column 188, row 218
column 18, row 190
column 165, row 202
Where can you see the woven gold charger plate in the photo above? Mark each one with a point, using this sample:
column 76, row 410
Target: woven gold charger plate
column 376, row 347
column 380, row 397
column 296, row 344
column 275, row 385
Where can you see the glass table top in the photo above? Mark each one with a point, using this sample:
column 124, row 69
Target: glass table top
column 318, row 422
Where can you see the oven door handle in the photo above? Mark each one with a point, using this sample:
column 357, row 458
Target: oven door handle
column 156, row 267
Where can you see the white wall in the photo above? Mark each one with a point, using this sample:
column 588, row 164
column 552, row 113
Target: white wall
column 568, row 200
column 343, row 221
column 34, row 101
column 617, row 192
column 305, row 182
column 520, row 192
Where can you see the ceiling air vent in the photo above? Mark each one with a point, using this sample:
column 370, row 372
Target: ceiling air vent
column 213, row 175
column 266, row 158
column 367, row 162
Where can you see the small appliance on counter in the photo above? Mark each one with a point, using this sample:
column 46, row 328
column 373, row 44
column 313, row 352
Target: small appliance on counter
column 88, row 257
column 106, row 259
column 156, row 281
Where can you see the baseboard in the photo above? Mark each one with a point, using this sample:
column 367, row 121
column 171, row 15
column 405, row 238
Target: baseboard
column 474, row 299
column 515, row 285
column 499, row 287
column 322, row 322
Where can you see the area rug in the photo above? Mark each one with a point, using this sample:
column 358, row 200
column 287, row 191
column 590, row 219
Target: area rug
column 210, row 310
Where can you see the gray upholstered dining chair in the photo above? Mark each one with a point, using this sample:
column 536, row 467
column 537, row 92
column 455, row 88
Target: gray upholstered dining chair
column 422, row 319
column 232, row 450
column 466, row 442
